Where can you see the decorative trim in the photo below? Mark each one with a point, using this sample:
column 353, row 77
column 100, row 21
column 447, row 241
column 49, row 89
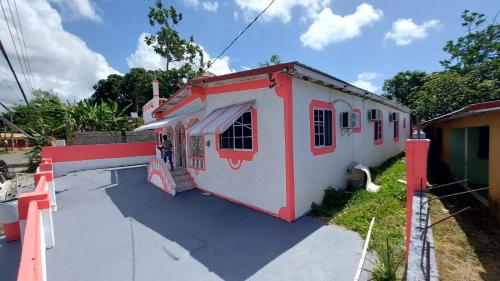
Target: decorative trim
column 317, row 104
column 197, row 170
column 283, row 88
column 241, row 155
column 360, row 116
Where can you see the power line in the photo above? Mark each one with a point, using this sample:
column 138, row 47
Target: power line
column 13, row 72
column 15, row 46
column 243, row 31
column 26, row 57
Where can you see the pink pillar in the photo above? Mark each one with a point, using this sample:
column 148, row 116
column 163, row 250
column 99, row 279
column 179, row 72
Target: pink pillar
column 416, row 176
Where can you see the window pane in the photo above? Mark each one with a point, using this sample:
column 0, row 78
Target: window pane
column 224, row 143
column 247, row 132
column 247, row 143
column 247, row 118
column 316, row 115
column 238, row 143
column 316, row 140
column 238, row 131
column 328, row 127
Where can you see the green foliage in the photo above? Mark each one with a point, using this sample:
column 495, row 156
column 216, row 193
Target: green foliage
column 471, row 74
column 387, row 205
column 167, row 41
column 404, row 86
column 448, row 91
column 84, row 116
column 35, row 153
column 43, row 117
column 476, row 53
column 274, row 60
column 389, row 259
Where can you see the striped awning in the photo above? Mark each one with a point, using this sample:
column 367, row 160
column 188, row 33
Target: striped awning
column 220, row 119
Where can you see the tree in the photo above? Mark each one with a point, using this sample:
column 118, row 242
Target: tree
column 447, row 91
column 167, row 41
column 274, row 60
column 476, row 53
column 404, row 85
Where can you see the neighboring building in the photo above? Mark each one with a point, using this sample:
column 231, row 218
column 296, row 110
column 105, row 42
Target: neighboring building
column 467, row 142
column 149, row 108
column 274, row 138
column 20, row 140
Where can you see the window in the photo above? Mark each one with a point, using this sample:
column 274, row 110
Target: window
column 196, row 146
column 396, row 130
column 377, row 132
column 322, row 127
column 239, row 135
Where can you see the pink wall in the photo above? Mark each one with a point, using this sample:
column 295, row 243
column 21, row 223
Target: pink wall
column 416, row 176
column 98, row 151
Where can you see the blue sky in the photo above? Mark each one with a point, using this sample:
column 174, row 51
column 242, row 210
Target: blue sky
column 358, row 41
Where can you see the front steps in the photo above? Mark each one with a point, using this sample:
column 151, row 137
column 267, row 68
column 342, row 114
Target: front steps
column 182, row 180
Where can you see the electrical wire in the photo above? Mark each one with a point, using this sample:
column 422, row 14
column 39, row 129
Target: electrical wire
column 24, row 44
column 243, row 31
column 15, row 46
column 13, row 72
column 23, row 53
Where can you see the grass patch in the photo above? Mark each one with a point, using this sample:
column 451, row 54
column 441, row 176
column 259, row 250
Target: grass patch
column 355, row 209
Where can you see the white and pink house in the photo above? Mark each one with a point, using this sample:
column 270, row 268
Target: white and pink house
column 272, row 138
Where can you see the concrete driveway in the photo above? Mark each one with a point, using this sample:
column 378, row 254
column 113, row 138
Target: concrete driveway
column 113, row 225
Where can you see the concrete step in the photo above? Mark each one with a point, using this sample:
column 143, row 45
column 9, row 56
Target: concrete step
column 178, row 172
column 179, row 178
column 179, row 190
column 183, row 184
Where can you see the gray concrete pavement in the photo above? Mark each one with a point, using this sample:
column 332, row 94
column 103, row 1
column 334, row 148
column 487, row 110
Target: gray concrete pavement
column 16, row 160
column 113, row 225
column 10, row 253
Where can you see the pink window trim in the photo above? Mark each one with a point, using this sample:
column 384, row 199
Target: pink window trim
column 358, row 129
column 317, row 104
column 241, row 155
column 381, row 140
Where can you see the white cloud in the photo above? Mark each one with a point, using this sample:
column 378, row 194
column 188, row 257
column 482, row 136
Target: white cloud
column 59, row 60
column 365, row 85
column 281, row 9
column 210, row 6
column 144, row 56
column 191, row 3
column 367, row 75
column 236, row 15
column 328, row 28
column 405, row 31
column 75, row 9
column 365, row 81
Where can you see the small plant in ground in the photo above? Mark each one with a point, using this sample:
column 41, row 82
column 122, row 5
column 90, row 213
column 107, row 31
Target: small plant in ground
column 387, row 263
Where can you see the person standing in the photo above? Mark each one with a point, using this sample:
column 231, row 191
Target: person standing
column 167, row 152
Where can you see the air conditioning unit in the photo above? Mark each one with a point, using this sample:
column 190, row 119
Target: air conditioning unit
column 393, row 116
column 348, row 120
column 374, row 115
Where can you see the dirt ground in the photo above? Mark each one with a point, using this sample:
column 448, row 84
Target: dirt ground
column 468, row 245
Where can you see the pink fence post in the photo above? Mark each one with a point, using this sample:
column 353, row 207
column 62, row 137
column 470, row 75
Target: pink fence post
column 416, row 176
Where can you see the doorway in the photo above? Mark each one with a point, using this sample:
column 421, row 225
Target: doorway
column 180, row 144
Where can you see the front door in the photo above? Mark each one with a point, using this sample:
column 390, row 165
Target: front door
column 181, row 146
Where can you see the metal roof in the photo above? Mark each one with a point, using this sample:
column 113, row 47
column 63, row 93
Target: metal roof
column 468, row 111
column 295, row 69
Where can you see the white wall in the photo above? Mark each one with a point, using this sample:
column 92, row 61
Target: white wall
column 313, row 174
column 261, row 182
column 62, row 168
